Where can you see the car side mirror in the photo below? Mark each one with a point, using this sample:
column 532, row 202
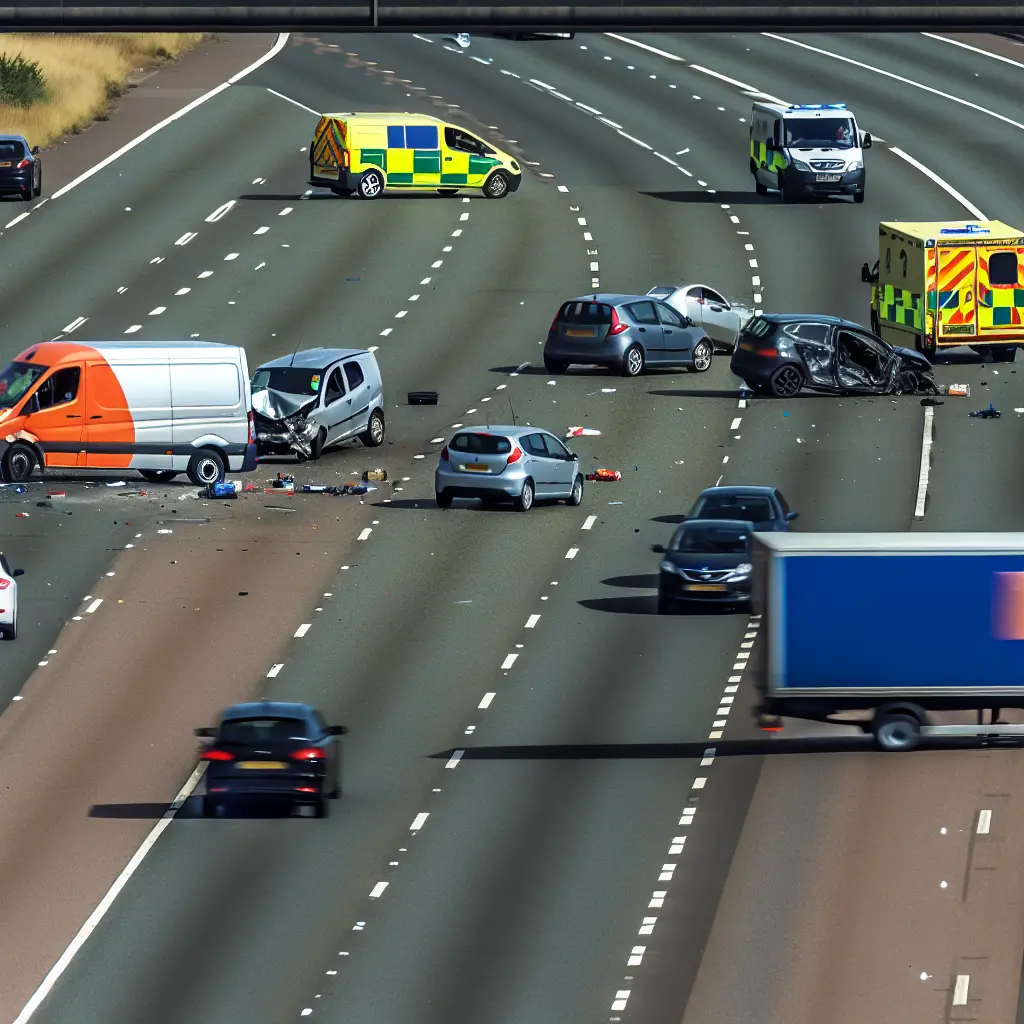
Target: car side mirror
column 865, row 274
column 866, row 144
column 18, row 572
column 35, row 149
column 687, row 321
column 572, row 456
column 205, row 732
column 790, row 516
column 658, row 549
column 337, row 730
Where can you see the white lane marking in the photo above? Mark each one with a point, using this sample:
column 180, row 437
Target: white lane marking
column 621, row 997
column 897, row 78
column 974, row 49
column 286, row 211
column 700, row 782
column 108, row 900
column 984, row 822
column 722, row 78
column 261, row 230
column 231, row 256
column 75, row 324
column 204, row 274
column 532, row 621
column 419, row 821
column 510, row 660
column 183, row 291
column 386, row 332
column 633, row 138
column 274, row 669
column 926, row 461
column 17, row 220
column 644, row 46
column 588, row 523
column 736, row 423
column 963, row 982
column 186, row 238
column 303, row 629
column 378, row 890
column 288, row 99
column 486, row 702
column 455, row 759
column 942, row 183
column 572, row 552
column 543, row 85
column 134, row 328
column 221, row 211
column 436, row 264
column 365, row 533
column 753, row 263
column 158, row 310
column 612, row 124
column 564, row 188
column 400, row 314
column 92, row 608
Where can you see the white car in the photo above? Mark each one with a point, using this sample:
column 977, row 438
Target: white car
column 8, row 599
column 720, row 318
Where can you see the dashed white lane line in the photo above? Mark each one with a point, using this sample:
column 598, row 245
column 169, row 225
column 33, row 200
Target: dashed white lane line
column 960, row 989
column 532, row 621
column 75, row 324
column 158, row 310
column 204, row 274
column 572, row 552
column 510, row 660
column 134, row 328
column 303, row 629
column 364, row 534
column 736, row 423
column 419, row 821
column 486, row 701
column 17, row 220
column 926, row 463
column 186, row 238
column 231, row 256
column 274, row 670
column 221, row 211
column 182, row 291
column 588, row 523
column 378, row 890
column 92, row 607
column 286, row 211
column 261, row 230
column 455, row 759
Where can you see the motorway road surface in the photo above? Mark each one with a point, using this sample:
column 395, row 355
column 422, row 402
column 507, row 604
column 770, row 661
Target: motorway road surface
column 548, row 874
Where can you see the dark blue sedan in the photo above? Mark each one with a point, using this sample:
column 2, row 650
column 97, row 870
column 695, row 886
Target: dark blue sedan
column 765, row 507
column 21, row 169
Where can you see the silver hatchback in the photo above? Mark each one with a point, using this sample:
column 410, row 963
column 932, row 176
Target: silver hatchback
column 518, row 464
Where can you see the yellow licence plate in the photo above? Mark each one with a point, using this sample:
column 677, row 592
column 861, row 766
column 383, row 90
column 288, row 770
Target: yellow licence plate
column 580, row 332
column 257, row 765
column 476, row 467
column 5, row 163
column 328, row 172
column 717, row 587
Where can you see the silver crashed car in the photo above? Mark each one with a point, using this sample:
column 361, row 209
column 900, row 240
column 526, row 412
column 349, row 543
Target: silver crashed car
column 707, row 308
column 518, row 464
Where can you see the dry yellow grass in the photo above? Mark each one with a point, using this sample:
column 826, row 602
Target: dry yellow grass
column 83, row 73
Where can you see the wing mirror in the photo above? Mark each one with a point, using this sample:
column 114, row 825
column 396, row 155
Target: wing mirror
column 206, row 732
column 572, row 457
column 790, row 516
column 866, row 143
column 658, row 549
column 18, row 572
column 337, row 730
column 35, row 150
column 687, row 321
column 865, row 274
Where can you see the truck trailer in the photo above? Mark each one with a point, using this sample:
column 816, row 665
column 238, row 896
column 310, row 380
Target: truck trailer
column 898, row 624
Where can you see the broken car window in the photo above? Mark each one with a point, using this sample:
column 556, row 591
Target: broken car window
column 292, row 380
column 335, row 387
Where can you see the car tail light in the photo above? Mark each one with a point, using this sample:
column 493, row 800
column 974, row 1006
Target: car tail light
column 309, row 754
column 767, row 351
column 22, row 164
column 517, row 454
column 216, row 755
column 617, row 325
column 4, row 584
column 252, row 429
column 554, row 323
column 305, row 789
column 444, row 454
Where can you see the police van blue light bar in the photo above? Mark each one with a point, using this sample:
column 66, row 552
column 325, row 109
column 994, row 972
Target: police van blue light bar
column 818, row 106
column 967, row 229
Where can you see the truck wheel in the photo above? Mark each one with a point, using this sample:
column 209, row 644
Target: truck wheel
column 897, row 732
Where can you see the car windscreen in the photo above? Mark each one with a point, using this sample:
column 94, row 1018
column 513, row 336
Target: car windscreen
column 722, row 506
column 15, row 381
column 292, row 380
column 11, row 151
column 586, row 313
column 250, row 732
column 697, row 538
column 481, row 444
column 820, row 133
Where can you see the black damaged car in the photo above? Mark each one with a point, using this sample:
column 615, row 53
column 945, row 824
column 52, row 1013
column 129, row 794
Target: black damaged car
column 782, row 353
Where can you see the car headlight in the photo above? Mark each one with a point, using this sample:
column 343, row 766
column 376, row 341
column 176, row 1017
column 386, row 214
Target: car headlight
column 856, row 165
column 741, row 572
column 800, row 165
column 667, row 566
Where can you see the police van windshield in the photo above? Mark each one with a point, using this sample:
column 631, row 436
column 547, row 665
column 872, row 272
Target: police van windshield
column 15, row 381
column 292, row 380
column 819, row 133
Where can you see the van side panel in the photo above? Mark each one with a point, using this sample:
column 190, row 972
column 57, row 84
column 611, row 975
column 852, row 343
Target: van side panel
column 110, row 427
column 209, row 402
column 147, row 387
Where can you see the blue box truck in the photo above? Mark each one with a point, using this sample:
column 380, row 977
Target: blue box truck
column 896, row 623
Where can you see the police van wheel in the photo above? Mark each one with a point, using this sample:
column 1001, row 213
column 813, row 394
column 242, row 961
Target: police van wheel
column 18, row 463
column 447, row 191
column 371, row 185
column 496, row 186
column 206, row 467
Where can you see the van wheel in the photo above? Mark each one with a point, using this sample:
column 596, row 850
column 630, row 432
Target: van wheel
column 373, row 437
column 18, row 463
column 157, row 476
column 496, row 186
column 443, row 499
column 447, row 191
column 206, row 467
column 371, row 184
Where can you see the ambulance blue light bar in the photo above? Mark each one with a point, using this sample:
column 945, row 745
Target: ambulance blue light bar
column 967, row 229
column 818, row 106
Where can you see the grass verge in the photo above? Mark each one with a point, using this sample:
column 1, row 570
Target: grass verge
column 83, row 73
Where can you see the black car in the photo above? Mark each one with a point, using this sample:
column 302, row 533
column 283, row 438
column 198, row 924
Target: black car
column 782, row 353
column 764, row 507
column 21, row 168
column 706, row 560
column 272, row 750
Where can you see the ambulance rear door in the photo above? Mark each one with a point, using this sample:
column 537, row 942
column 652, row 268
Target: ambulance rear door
column 1000, row 291
column 956, row 272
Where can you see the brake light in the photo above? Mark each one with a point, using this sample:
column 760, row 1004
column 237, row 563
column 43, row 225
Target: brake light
column 516, row 455
column 767, row 351
column 22, row 164
column 554, row 323
column 444, row 454
column 4, row 584
column 252, row 429
column 309, row 754
column 305, row 789
column 617, row 325
column 216, row 755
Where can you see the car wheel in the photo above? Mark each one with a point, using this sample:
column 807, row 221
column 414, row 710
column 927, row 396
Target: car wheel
column 555, row 365
column 28, row 194
column 447, row 191
column 858, row 197
column 496, row 186
column 317, row 447
column 525, row 500
column 576, row 496
column 18, row 463
column 633, row 361
column 665, row 606
column 371, row 184
column 443, row 499
column 157, row 476
column 206, row 467
column 786, row 381
column 702, row 355
column 373, row 436
column 39, row 185
column 321, row 808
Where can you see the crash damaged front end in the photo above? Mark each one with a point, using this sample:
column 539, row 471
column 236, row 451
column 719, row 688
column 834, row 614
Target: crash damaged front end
column 283, row 423
column 910, row 373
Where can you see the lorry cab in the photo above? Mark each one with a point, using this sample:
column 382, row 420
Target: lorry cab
column 806, row 150
column 369, row 153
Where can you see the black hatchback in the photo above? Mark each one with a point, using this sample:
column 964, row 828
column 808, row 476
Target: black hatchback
column 274, row 751
column 706, row 560
column 21, row 168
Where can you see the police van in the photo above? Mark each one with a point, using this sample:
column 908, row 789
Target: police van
column 807, row 150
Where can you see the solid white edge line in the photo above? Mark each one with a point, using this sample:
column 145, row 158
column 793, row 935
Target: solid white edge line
column 644, row 46
column 942, row 183
column 722, row 78
column 288, row 99
column 926, row 459
column 973, row 49
column 112, row 893
column 278, row 46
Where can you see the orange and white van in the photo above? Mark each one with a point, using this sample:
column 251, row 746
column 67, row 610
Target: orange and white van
column 161, row 408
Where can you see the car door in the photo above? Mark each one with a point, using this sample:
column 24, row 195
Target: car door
column 358, row 397
column 861, row 362
column 648, row 330
column 55, row 413
column 718, row 318
column 563, row 466
column 679, row 338
column 541, row 465
column 816, row 351
column 336, row 406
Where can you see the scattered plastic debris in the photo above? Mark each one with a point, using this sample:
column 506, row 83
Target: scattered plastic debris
column 21, row 515
column 608, row 391
column 605, row 475
column 519, row 369
column 222, row 489
column 380, row 475
column 991, row 413
column 959, row 390
column 118, row 483
column 423, row 397
column 582, row 432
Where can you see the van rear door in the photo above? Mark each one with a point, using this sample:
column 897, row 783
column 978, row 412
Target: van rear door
column 956, row 271
column 1000, row 290
column 327, row 151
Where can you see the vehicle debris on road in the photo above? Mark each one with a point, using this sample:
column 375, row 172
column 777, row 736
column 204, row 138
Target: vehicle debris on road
column 582, row 432
column 991, row 413
column 605, row 475
column 957, row 390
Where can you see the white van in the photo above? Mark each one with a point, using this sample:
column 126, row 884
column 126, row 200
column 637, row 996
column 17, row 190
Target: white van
column 807, row 149
column 310, row 400
column 159, row 407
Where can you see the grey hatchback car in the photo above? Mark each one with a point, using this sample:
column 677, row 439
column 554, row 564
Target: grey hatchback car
column 518, row 464
column 625, row 333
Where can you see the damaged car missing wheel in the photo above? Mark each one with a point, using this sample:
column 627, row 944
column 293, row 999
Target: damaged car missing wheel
column 780, row 354
column 310, row 400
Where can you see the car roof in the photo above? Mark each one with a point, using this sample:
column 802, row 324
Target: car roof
column 810, row 318
column 402, row 117
column 703, row 524
column 739, row 491
column 313, row 358
column 266, row 709
column 503, row 430
column 14, row 138
column 612, row 298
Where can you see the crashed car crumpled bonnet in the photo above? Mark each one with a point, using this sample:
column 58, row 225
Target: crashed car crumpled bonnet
column 287, row 413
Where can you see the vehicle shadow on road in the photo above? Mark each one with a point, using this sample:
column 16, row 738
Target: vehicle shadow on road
column 672, row 520
column 698, row 393
column 700, row 196
column 645, row 582
column 191, row 808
